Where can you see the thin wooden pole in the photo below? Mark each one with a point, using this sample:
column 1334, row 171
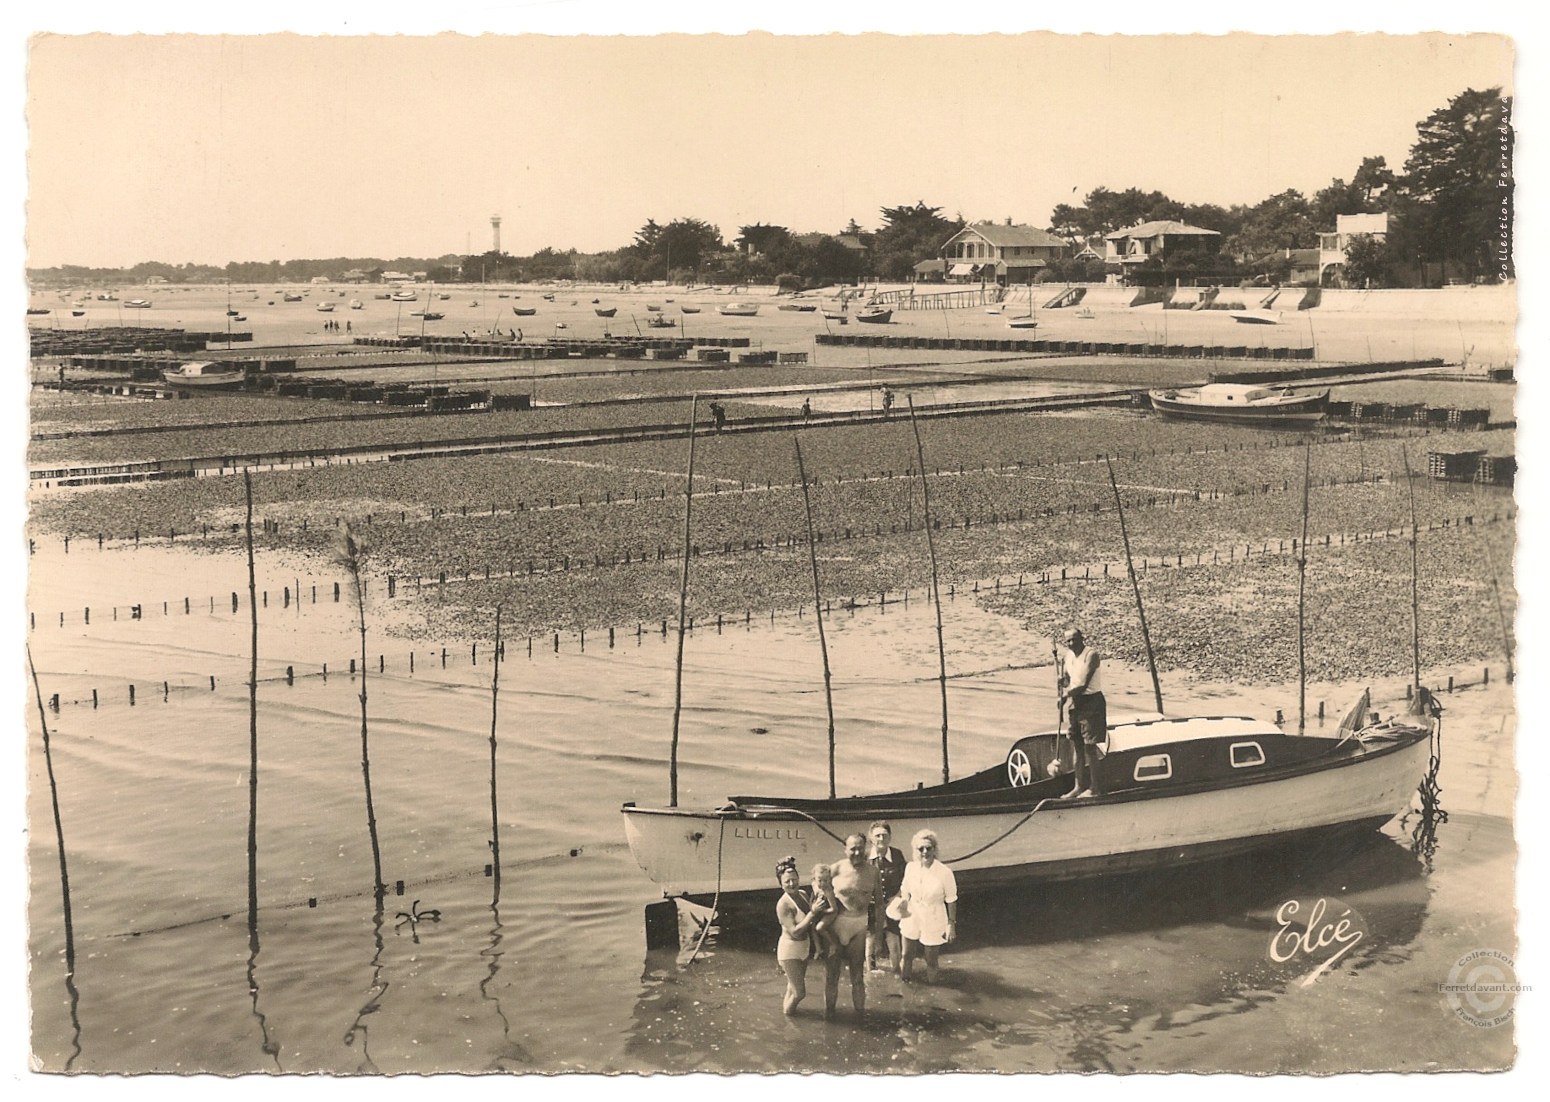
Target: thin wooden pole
column 936, row 587
column 1302, row 579
column 351, row 552
column 495, row 819
column 247, row 488
column 683, row 600
column 1501, row 616
column 1415, row 573
column 59, row 828
column 1130, row 567
column 823, row 645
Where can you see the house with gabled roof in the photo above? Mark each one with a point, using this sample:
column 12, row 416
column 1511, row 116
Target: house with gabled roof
column 1003, row 253
column 1140, row 243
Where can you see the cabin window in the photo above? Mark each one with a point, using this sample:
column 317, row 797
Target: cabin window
column 1246, row 754
column 1154, row 767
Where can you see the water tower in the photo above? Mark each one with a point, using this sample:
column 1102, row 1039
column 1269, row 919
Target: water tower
column 495, row 226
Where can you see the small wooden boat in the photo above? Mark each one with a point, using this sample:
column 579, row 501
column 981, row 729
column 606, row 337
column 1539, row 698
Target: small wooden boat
column 443, row 296
column 605, row 311
column 1175, row 791
column 660, row 321
column 739, row 309
column 686, row 308
column 524, row 311
column 404, row 296
column 357, row 304
column 427, row 315
column 77, row 313
column 205, row 375
column 325, row 307
column 290, row 297
column 652, row 308
column 1241, row 403
column 1024, row 322
column 1256, row 317
column 137, row 304
column 548, row 298
column 798, row 307
column 32, row 310
column 383, row 295
column 875, row 315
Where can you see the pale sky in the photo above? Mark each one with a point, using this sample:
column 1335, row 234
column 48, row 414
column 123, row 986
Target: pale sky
column 213, row 148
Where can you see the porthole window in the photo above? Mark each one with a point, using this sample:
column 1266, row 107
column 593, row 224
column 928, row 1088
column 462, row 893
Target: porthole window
column 1246, row 754
column 1154, row 767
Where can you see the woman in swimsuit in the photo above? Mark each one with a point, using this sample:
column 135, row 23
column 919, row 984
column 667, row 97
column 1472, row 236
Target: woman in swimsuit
column 797, row 914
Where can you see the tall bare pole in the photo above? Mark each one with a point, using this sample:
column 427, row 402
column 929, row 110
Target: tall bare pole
column 823, row 645
column 59, row 828
column 1415, row 573
column 495, row 819
column 936, row 588
column 1302, row 579
column 351, row 553
column 247, row 487
column 1130, row 567
column 683, row 601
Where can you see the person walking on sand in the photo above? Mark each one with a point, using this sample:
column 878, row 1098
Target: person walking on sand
column 857, row 884
column 807, row 409
column 1082, row 697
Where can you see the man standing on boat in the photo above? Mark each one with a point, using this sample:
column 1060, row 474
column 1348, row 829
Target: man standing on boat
column 857, row 885
column 1086, row 710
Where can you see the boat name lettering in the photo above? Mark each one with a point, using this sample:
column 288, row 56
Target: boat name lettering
column 1318, row 935
column 792, row 834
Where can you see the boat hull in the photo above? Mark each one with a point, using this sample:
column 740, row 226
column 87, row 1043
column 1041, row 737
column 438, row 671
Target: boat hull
column 699, row 854
column 1308, row 411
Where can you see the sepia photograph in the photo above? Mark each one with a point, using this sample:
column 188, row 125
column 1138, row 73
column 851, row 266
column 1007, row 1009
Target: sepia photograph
column 640, row 548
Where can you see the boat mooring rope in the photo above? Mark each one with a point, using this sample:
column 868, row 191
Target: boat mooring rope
column 804, row 815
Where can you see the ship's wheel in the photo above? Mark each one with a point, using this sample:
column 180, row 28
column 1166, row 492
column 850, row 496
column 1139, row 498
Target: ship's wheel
column 1019, row 770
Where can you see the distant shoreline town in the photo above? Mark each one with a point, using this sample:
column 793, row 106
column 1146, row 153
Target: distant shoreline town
column 1444, row 218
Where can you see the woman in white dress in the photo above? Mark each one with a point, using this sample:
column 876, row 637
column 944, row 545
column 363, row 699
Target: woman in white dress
column 928, row 905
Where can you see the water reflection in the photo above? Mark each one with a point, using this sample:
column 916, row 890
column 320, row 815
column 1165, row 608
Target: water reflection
column 509, row 1050
column 358, row 1028
column 270, row 1047
column 1422, row 823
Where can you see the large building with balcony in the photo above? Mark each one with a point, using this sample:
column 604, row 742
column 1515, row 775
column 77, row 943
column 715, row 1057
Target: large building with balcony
column 1003, row 253
column 1138, row 244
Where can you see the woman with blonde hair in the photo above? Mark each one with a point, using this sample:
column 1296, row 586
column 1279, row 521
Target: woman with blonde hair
column 928, row 905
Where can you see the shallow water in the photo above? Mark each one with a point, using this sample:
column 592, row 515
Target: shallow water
column 1163, row 972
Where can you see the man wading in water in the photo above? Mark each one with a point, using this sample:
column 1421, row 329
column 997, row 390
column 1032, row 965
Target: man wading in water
column 857, row 884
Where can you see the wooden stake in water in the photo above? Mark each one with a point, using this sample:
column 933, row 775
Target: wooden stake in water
column 59, row 828
column 495, row 819
column 350, row 552
column 1302, row 578
column 683, row 600
column 936, row 588
column 1415, row 573
column 1130, row 566
column 247, row 488
column 823, row 646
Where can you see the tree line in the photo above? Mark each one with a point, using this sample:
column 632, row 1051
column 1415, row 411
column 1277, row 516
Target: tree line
column 1449, row 218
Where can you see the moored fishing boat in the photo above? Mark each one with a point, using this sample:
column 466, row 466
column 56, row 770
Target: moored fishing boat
column 660, row 321
column 1241, row 403
column 739, row 309
column 205, row 375
column 605, row 311
column 876, row 315
column 137, row 304
column 1175, row 791
column 799, row 307
column 524, row 311
column 1256, row 317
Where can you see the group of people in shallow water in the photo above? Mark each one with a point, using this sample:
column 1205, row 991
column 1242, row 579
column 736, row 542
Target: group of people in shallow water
column 870, row 904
